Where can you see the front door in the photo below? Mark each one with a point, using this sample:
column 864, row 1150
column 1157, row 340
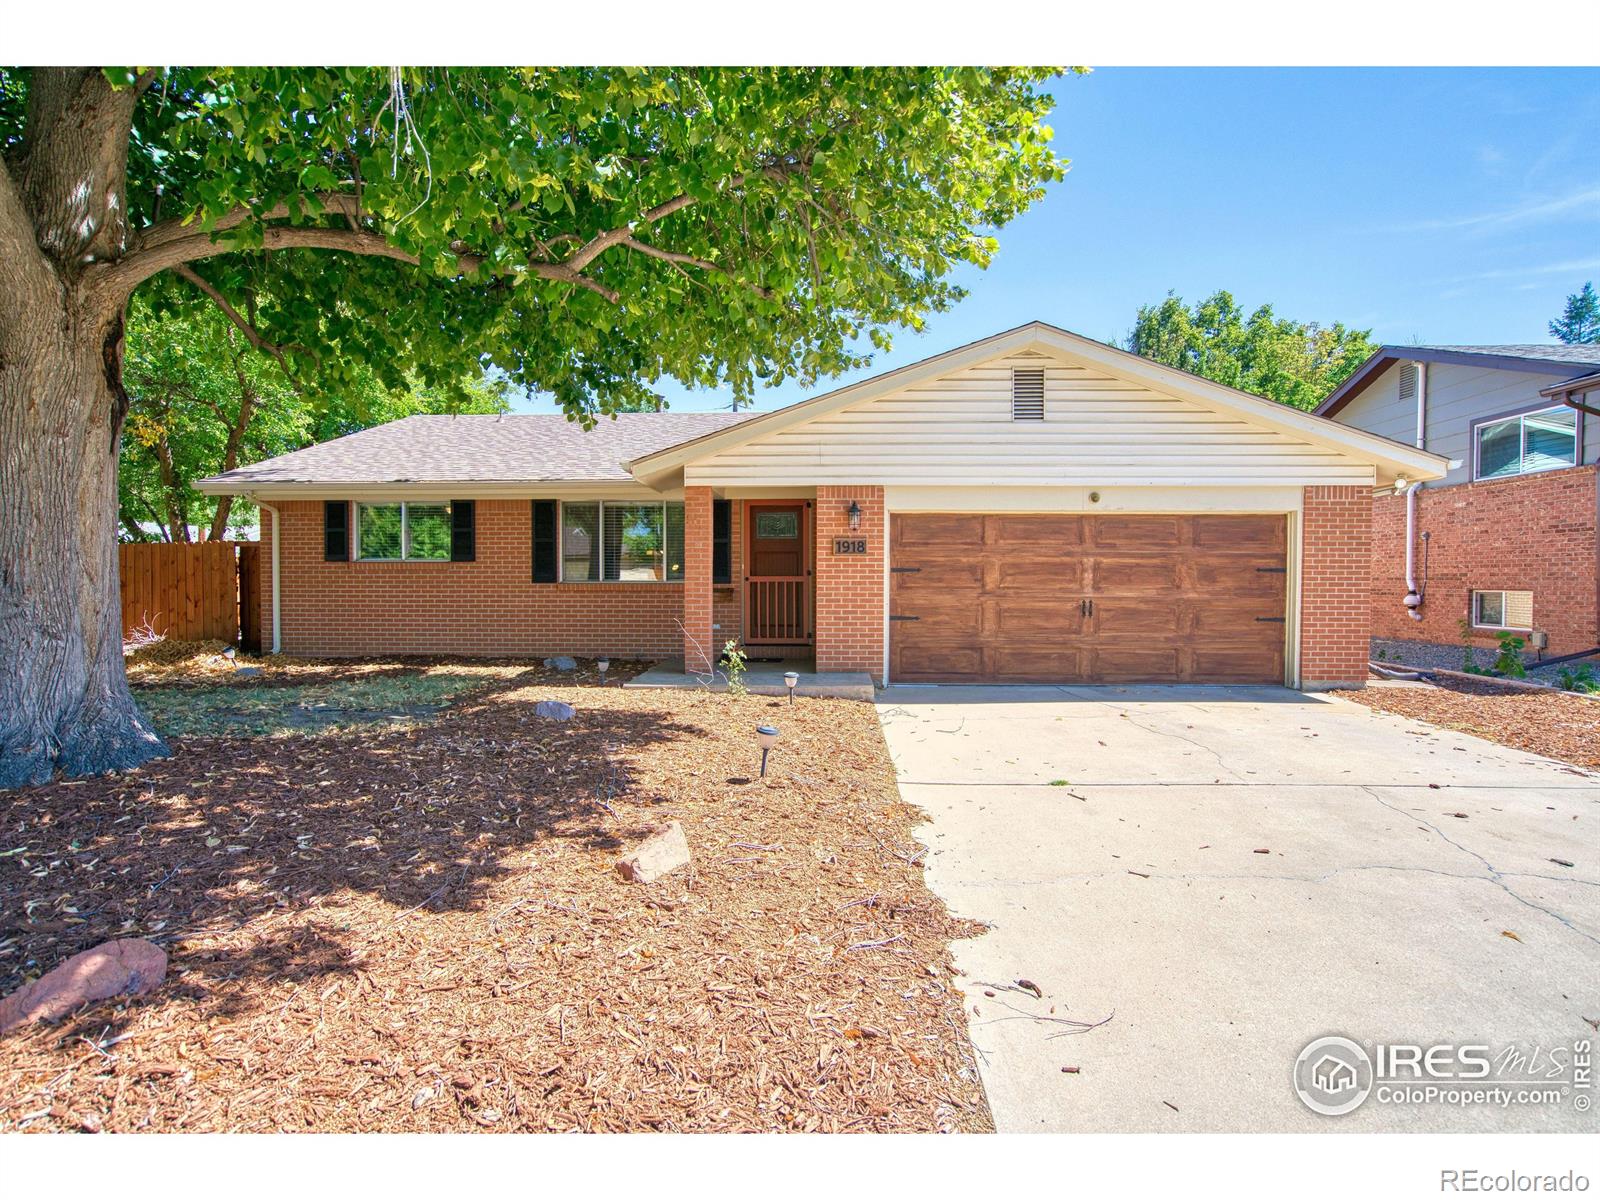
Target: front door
column 777, row 581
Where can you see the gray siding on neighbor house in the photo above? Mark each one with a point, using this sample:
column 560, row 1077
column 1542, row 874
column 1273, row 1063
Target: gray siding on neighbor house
column 1457, row 397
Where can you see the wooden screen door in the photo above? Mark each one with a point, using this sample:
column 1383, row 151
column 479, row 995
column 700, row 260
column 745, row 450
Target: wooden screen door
column 776, row 581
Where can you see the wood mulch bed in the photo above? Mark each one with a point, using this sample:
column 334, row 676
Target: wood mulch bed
column 1555, row 724
column 420, row 928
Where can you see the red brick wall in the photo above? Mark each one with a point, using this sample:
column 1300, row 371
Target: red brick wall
column 850, row 614
column 1534, row 533
column 1335, row 608
column 727, row 600
column 699, row 647
column 487, row 607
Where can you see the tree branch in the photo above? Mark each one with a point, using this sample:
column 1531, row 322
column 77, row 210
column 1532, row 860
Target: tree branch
column 251, row 333
column 690, row 260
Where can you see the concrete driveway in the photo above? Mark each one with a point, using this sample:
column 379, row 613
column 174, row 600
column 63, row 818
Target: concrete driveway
column 1112, row 838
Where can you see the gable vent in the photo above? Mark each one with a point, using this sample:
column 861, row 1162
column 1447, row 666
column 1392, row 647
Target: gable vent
column 1408, row 381
column 1027, row 394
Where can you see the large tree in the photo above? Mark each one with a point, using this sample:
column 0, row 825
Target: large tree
column 1293, row 362
column 587, row 231
column 202, row 400
column 1579, row 322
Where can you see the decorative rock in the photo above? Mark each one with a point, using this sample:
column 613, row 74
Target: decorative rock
column 555, row 710
column 127, row 967
column 660, row 854
column 562, row 662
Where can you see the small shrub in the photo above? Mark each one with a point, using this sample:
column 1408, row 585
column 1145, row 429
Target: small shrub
column 1468, row 663
column 1578, row 679
column 735, row 661
column 1509, row 661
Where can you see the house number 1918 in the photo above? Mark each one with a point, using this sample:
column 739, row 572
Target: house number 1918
column 849, row 545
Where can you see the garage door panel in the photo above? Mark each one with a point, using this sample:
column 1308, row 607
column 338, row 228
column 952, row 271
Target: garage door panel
column 1238, row 533
column 938, row 529
column 1138, row 533
column 1238, row 664
column 1253, row 577
column 1123, row 617
column 955, row 663
column 1040, row 666
column 1029, row 530
column 1140, row 575
column 1028, row 573
column 1236, row 619
column 1134, row 664
column 936, row 577
column 1171, row 598
column 1040, row 622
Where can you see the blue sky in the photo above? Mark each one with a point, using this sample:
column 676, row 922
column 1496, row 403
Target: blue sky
column 1431, row 205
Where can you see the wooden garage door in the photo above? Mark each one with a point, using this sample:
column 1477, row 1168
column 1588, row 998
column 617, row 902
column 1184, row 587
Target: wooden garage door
column 1019, row 598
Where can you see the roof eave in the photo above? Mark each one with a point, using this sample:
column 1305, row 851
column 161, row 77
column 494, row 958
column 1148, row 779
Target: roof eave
column 1396, row 456
column 1386, row 356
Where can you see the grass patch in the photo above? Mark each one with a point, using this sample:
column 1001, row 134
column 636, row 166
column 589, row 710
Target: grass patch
column 240, row 710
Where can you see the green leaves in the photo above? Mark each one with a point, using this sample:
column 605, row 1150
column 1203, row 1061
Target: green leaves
column 1293, row 362
column 803, row 209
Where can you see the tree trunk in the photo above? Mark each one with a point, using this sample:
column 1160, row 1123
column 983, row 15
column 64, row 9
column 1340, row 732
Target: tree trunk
column 64, row 699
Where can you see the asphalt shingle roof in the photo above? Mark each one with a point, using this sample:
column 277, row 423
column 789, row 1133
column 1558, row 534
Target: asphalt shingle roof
column 515, row 447
column 1541, row 352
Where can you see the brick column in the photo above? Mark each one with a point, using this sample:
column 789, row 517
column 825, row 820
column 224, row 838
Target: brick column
column 1335, row 587
column 698, row 638
column 850, row 620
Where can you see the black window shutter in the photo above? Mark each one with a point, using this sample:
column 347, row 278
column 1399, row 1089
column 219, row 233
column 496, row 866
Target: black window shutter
column 722, row 541
column 463, row 531
column 336, row 531
column 544, row 541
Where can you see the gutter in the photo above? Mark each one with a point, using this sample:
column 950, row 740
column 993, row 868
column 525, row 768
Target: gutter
column 277, row 610
column 1414, row 595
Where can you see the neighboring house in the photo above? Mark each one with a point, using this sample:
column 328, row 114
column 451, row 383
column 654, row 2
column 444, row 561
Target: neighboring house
column 1032, row 507
column 1508, row 539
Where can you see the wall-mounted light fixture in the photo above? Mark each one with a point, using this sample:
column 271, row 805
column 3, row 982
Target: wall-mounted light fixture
column 854, row 513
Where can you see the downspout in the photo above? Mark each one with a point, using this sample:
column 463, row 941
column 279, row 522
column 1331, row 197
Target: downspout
column 1414, row 595
column 277, row 619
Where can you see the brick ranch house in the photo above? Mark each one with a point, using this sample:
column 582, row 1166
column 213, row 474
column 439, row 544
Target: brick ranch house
column 1509, row 539
column 1035, row 506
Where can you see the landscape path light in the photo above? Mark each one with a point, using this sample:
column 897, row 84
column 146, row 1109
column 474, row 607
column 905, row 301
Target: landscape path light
column 790, row 679
column 767, row 735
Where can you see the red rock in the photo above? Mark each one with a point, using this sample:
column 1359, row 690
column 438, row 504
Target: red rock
column 127, row 967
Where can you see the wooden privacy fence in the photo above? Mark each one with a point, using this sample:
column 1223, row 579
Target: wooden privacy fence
column 193, row 591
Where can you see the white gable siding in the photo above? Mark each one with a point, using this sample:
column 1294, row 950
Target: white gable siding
column 1458, row 395
column 957, row 430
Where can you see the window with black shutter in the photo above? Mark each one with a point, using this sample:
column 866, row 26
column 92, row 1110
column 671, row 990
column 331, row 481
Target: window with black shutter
column 336, row 531
column 544, row 542
column 722, row 541
column 463, row 531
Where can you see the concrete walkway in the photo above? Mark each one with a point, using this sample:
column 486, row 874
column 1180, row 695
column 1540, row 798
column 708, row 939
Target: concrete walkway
column 763, row 679
column 1111, row 837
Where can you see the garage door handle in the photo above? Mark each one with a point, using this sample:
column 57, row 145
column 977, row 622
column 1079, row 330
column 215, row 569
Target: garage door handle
column 1086, row 608
column 1271, row 620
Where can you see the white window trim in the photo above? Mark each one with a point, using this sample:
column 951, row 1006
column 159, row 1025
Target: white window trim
column 1502, row 593
column 405, row 529
column 1522, row 442
column 600, row 537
